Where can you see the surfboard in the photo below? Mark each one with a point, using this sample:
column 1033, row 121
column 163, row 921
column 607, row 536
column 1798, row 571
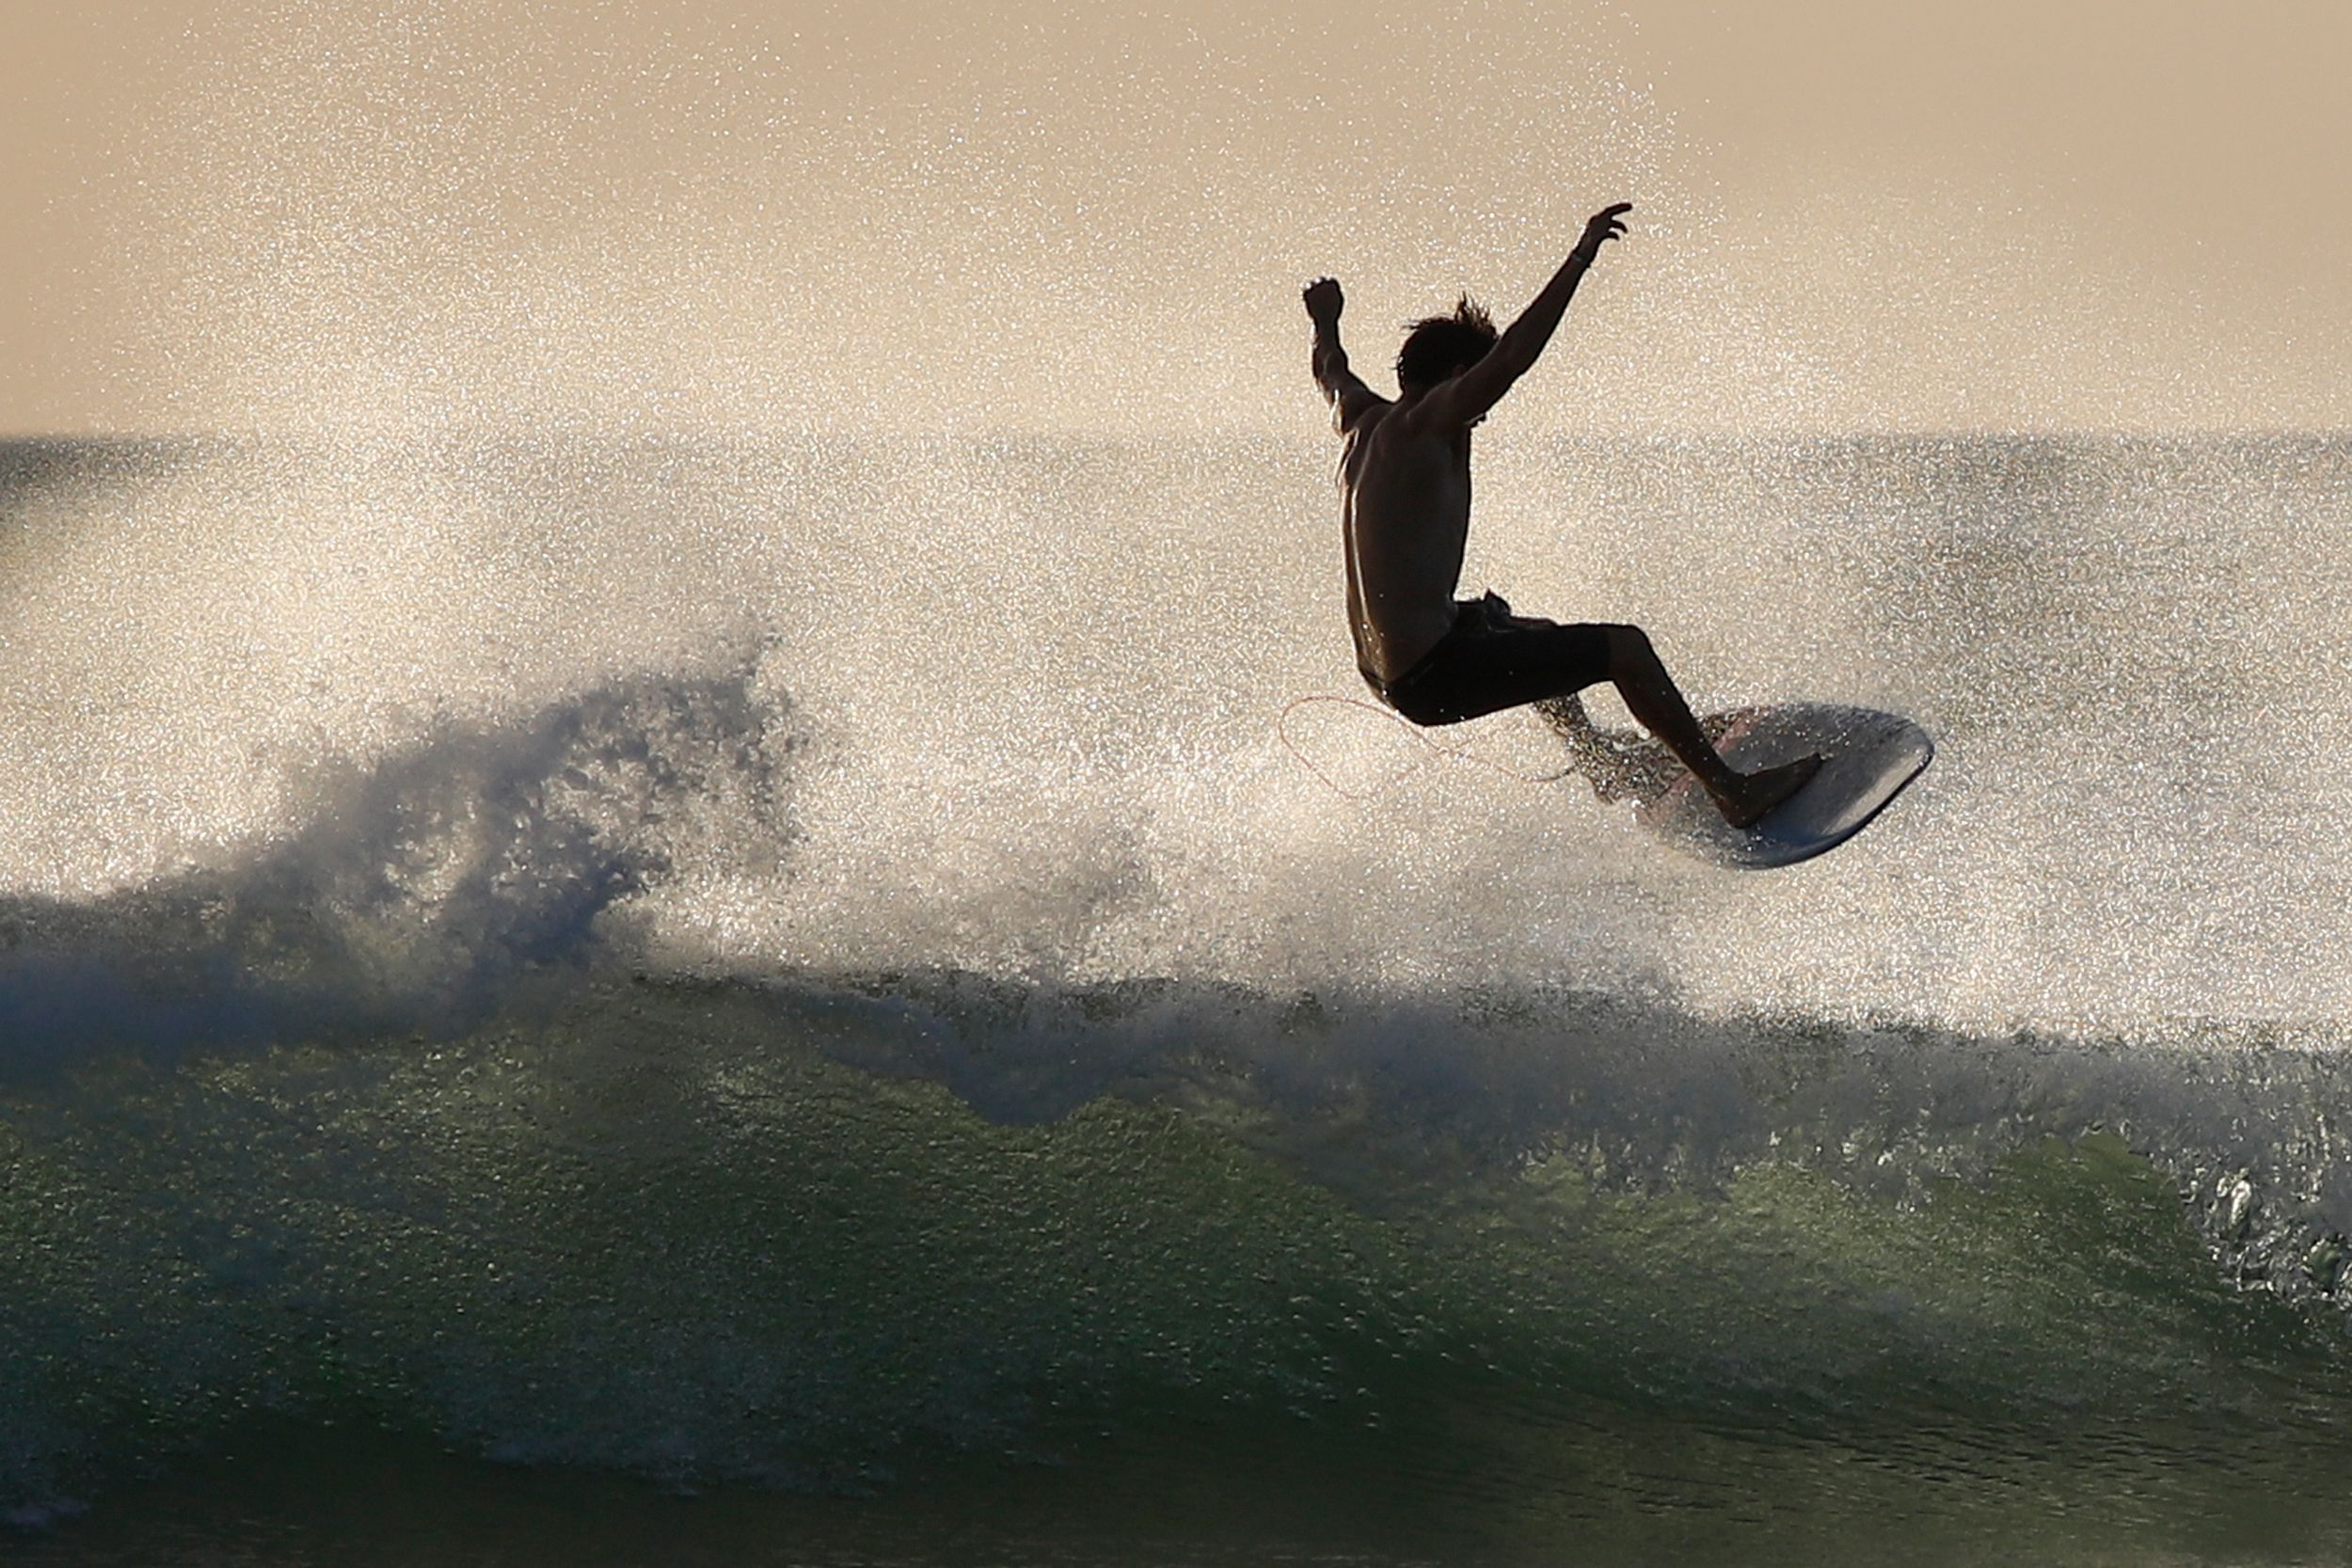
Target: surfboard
column 1868, row 757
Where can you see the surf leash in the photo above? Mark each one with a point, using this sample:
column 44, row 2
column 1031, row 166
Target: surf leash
column 1452, row 753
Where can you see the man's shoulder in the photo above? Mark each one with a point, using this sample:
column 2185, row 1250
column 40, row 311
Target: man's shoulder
column 1358, row 419
column 1428, row 414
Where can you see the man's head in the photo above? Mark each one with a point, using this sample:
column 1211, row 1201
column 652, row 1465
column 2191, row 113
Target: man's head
column 1437, row 347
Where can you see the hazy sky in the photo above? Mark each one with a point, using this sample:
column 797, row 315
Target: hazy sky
column 1850, row 213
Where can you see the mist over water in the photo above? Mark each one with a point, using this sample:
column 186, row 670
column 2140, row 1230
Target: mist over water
column 1031, row 703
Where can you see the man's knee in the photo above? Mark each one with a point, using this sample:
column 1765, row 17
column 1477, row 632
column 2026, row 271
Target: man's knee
column 1629, row 647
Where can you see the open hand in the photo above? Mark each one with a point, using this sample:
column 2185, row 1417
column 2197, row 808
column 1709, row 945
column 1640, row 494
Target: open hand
column 1323, row 299
column 1605, row 225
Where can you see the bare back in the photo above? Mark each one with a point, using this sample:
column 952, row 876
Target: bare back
column 1405, row 501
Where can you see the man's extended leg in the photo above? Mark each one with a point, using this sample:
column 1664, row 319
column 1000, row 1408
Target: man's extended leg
column 1651, row 697
column 1494, row 661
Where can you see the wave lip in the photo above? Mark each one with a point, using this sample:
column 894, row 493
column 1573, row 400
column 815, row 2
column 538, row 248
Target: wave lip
column 419, row 892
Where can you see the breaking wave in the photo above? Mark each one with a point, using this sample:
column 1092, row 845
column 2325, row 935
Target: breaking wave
column 882, row 1035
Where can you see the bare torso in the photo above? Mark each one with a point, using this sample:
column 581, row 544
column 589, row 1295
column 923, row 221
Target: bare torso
column 1405, row 501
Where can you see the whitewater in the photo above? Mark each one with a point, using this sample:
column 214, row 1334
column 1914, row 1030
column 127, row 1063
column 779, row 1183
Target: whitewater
column 838, row 973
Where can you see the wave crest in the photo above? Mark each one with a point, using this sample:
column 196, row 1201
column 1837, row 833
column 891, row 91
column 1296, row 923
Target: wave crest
column 420, row 889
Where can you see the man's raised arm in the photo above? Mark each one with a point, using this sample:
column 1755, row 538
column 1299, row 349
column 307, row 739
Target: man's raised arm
column 1465, row 398
column 1347, row 395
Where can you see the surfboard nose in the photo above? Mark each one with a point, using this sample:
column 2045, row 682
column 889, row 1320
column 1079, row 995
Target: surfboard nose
column 1868, row 758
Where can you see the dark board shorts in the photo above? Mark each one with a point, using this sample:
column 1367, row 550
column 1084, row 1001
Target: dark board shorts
column 1493, row 660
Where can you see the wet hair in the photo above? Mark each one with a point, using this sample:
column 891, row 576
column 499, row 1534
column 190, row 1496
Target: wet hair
column 1437, row 347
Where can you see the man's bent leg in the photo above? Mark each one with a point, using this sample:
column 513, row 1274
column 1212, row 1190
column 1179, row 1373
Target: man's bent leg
column 1650, row 695
column 1484, row 665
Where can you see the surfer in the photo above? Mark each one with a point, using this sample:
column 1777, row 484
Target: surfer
column 1404, row 488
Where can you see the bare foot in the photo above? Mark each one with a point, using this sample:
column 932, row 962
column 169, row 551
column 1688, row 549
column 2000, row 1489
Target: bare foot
column 1760, row 792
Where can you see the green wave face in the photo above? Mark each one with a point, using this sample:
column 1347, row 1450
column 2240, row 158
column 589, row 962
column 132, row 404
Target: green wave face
column 713, row 1234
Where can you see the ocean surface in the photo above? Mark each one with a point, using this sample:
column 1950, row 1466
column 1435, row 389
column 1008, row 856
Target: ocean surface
column 574, row 998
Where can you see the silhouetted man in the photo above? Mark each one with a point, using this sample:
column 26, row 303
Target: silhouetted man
column 1404, row 486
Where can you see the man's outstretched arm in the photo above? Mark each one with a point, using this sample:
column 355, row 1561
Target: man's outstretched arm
column 1347, row 395
column 1465, row 398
